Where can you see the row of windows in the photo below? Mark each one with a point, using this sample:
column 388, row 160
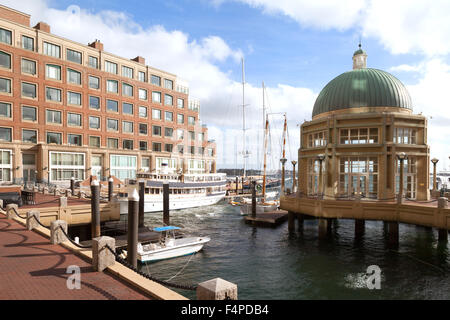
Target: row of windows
column 29, row 113
column 30, row 136
column 55, row 51
column 29, row 90
column 362, row 136
column 54, row 72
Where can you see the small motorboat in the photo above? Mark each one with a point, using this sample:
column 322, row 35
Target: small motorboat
column 170, row 246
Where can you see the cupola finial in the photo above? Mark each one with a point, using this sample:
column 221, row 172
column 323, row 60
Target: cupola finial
column 359, row 58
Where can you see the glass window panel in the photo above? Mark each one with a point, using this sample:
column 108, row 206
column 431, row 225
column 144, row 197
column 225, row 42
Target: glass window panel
column 52, row 50
column 73, row 76
column 127, row 108
column 156, row 96
column 74, row 119
column 53, row 94
column 74, row 98
column 127, row 90
column 168, row 100
column 5, row 60
column 94, row 82
column 29, row 113
column 74, row 56
column 5, row 134
column 156, row 80
column 5, row 36
column 143, row 112
column 5, row 85
column 113, row 124
column 112, row 86
column 28, row 66
column 93, row 62
column 94, row 122
column 94, row 102
column 112, row 105
column 29, row 90
column 27, row 43
column 5, row 110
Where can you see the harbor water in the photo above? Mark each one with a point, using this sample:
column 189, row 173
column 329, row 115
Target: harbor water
column 270, row 263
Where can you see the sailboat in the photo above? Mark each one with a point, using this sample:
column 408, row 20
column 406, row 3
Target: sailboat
column 263, row 205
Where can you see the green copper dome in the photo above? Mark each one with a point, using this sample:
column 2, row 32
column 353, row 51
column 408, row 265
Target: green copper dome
column 364, row 87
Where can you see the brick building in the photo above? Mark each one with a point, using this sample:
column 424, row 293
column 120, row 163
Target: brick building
column 68, row 109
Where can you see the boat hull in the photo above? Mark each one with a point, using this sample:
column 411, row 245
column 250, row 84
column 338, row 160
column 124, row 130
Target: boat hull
column 155, row 204
column 181, row 247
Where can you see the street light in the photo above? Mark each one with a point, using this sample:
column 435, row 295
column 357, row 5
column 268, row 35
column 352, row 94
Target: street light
column 294, row 185
column 320, row 157
column 401, row 156
column 434, row 161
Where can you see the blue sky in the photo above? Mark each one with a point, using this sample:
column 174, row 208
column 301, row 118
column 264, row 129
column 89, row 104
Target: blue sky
column 295, row 46
column 277, row 49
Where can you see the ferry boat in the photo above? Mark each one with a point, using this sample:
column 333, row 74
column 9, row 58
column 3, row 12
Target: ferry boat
column 185, row 190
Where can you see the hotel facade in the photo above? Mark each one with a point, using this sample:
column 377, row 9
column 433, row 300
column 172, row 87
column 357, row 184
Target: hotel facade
column 73, row 110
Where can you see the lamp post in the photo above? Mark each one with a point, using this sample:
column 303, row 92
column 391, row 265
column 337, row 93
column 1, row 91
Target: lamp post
column 434, row 161
column 294, row 184
column 320, row 157
column 401, row 156
column 283, row 162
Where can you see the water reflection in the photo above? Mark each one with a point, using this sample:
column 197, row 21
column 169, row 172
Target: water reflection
column 275, row 264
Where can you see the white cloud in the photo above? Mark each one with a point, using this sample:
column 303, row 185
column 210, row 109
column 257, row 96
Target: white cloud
column 431, row 97
column 194, row 60
column 402, row 26
column 323, row 14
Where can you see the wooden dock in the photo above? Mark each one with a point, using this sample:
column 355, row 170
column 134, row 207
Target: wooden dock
column 267, row 219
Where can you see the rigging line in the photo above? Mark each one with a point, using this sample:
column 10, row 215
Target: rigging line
column 182, row 268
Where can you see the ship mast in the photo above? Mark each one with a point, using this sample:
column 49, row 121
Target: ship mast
column 244, row 153
column 283, row 159
column 266, row 128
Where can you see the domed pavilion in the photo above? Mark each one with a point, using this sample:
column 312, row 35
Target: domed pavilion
column 362, row 128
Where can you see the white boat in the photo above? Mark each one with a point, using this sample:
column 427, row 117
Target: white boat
column 270, row 206
column 185, row 190
column 170, row 246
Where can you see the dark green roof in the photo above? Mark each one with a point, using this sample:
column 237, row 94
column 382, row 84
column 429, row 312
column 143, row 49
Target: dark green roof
column 359, row 51
column 362, row 88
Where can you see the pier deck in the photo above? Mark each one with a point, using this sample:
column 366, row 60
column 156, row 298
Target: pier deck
column 32, row 268
column 267, row 219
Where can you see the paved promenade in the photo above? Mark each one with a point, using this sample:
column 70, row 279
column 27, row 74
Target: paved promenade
column 32, row 268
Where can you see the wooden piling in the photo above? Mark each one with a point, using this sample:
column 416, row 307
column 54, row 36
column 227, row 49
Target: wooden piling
column 133, row 227
column 95, row 209
column 393, row 233
column 166, row 216
column 324, row 227
column 110, row 188
column 291, row 221
column 141, row 203
column 253, row 199
column 360, row 226
column 72, row 186
column 442, row 233
column 300, row 221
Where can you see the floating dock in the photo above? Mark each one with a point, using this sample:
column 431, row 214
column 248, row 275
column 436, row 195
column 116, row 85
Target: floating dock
column 267, row 219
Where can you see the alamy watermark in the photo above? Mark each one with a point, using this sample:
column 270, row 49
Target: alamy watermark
column 373, row 280
column 74, row 280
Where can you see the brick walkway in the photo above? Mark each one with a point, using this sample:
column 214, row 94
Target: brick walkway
column 32, row 268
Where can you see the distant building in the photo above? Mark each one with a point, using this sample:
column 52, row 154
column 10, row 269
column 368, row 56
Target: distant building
column 361, row 121
column 73, row 110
